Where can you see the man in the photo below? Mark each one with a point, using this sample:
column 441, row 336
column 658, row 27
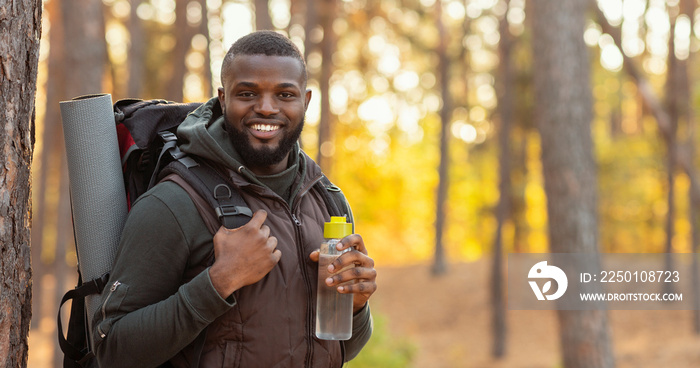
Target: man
column 167, row 303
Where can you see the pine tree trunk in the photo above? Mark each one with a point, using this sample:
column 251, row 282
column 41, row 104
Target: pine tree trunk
column 85, row 46
column 20, row 32
column 55, row 91
column 327, row 48
column 262, row 15
column 183, row 35
column 208, row 85
column 137, row 48
column 439, row 262
column 503, row 210
column 672, row 102
column 564, row 113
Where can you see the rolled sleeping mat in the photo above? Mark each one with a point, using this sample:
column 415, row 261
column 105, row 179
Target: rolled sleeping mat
column 98, row 197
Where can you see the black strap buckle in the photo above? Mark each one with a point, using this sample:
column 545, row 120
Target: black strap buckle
column 233, row 210
column 167, row 136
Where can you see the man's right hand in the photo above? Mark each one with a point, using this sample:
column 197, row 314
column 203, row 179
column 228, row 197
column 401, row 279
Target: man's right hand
column 243, row 256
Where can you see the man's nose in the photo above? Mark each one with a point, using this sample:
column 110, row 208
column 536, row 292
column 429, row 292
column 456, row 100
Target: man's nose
column 267, row 105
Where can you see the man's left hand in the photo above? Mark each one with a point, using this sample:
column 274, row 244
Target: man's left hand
column 360, row 278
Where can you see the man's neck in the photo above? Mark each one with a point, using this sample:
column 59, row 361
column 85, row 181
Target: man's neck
column 270, row 170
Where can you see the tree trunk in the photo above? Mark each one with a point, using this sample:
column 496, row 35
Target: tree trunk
column 55, row 91
column 262, row 15
column 439, row 262
column 672, row 102
column 564, row 112
column 503, row 210
column 327, row 48
column 84, row 30
column 20, row 32
column 204, row 29
column 137, row 48
column 64, row 240
column 309, row 25
column 686, row 106
column 183, row 35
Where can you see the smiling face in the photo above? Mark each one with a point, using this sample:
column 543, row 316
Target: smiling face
column 264, row 99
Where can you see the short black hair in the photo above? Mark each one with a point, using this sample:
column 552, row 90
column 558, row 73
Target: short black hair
column 266, row 42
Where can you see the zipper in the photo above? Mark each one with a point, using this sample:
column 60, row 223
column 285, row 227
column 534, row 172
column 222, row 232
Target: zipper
column 104, row 316
column 305, row 273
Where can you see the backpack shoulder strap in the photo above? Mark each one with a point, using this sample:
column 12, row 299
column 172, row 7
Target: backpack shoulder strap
column 216, row 201
column 335, row 200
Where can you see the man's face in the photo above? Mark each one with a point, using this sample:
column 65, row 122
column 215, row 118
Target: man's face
column 264, row 101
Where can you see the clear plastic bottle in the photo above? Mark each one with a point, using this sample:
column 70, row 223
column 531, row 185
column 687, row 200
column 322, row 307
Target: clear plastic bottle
column 333, row 309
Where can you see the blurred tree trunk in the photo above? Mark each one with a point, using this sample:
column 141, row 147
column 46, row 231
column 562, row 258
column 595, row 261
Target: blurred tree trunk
column 688, row 7
column 262, row 15
column 20, row 21
column 204, row 30
column 563, row 106
column 518, row 185
column 64, row 240
column 503, row 209
column 311, row 22
column 183, row 35
column 674, row 84
column 85, row 46
column 296, row 11
column 50, row 149
column 439, row 263
column 137, row 56
column 328, row 15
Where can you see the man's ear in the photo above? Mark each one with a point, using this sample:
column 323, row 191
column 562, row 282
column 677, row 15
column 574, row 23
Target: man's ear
column 307, row 98
column 222, row 99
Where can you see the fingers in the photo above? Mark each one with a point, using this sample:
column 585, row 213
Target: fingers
column 258, row 219
column 353, row 257
column 360, row 274
column 314, row 256
column 354, row 241
column 364, row 287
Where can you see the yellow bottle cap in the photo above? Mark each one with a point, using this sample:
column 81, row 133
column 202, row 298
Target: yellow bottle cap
column 337, row 228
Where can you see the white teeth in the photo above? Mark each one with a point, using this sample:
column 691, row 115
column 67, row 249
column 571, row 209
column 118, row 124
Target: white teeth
column 265, row 127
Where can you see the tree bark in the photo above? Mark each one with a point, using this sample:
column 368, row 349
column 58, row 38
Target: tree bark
column 439, row 263
column 262, row 15
column 687, row 7
column 20, row 32
column 51, row 137
column 183, row 35
column 327, row 48
column 503, row 209
column 85, row 46
column 137, row 48
column 204, row 29
column 673, row 97
column 564, row 112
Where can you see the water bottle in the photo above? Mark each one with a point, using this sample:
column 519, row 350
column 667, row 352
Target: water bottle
column 333, row 309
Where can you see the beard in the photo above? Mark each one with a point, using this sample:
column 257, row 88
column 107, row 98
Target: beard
column 265, row 156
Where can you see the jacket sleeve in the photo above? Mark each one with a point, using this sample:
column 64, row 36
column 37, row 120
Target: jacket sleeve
column 361, row 332
column 146, row 314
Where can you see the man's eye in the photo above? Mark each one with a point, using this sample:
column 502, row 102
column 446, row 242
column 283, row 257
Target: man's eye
column 246, row 94
column 286, row 95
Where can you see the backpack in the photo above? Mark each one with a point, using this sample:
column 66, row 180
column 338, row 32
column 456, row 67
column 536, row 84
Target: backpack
column 148, row 148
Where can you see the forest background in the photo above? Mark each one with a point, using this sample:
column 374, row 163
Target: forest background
column 424, row 112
